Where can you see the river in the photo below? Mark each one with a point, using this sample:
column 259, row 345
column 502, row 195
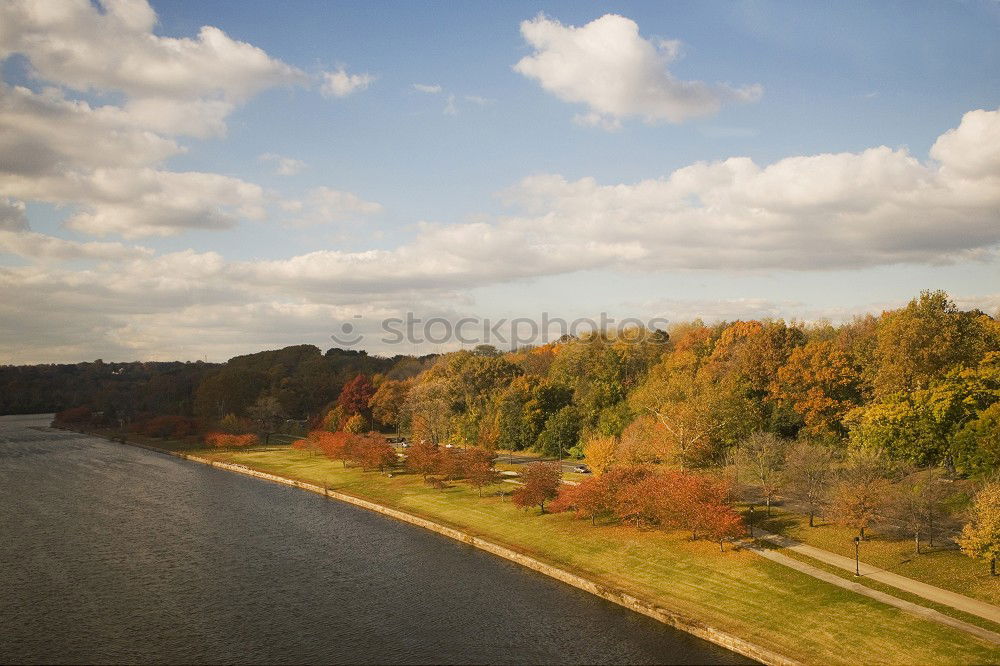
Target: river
column 114, row 554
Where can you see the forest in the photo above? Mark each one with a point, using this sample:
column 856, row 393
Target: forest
column 837, row 419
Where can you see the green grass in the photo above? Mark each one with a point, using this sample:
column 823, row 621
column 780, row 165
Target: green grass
column 894, row 591
column 944, row 567
column 736, row 591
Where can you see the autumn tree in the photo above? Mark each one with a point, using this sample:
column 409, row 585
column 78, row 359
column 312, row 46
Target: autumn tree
column 808, row 475
column 591, row 498
column 980, row 537
column 386, row 403
column 355, row 424
column 541, row 484
column 916, row 507
column 428, row 411
column 599, row 453
column 762, row 455
column 422, row 458
column 923, row 340
column 374, row 452
column 356, row 395
column 860, row 496
column 821, row 384
column 479, row 469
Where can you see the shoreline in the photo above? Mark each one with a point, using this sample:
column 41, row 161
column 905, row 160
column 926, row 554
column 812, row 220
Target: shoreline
column 659, row 613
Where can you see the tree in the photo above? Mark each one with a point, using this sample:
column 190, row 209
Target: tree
column 590, row 499
column 265, row 412
column 356, row 395
column 374, row 452
column 541, row 484
column 355, row 424
column 722, row 523
column 479, row 469
column 561, row 432
column 859, row 498
column 428, row 411
column 387, row 402
column 600, row 454
column 422, row 458
column 920, row 342
column 821, row 383
column 980, row 537
column 977, row 445
column 808, row 475
column 916, row 506
column 762, row 454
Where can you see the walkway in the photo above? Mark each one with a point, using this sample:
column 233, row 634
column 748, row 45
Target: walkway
column 957, row 601
column 909, row 607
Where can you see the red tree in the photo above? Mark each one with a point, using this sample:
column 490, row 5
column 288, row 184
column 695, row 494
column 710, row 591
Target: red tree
column 356, row 395
column 422, row 458
column 541, row 483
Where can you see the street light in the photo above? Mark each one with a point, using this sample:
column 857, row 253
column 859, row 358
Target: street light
column 857, row 556
column 750, row 521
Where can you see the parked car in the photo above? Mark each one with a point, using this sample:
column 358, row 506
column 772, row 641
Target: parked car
column 581, row 469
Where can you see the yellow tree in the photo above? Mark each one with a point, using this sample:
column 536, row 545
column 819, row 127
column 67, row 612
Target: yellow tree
column 920, row 342
column 981, row 536
column 600, row 453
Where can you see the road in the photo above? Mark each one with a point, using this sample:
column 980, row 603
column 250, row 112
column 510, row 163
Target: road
column 567, row 465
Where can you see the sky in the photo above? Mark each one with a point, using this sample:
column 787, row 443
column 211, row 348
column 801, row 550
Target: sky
column 192, row 180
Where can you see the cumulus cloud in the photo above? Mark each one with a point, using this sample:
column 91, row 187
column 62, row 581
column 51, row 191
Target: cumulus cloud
column 283, row 166
column 324, row 205
column 68, row 42
column 12, row 217
column 103, row 160
column 31, row 245
column 342, row 84
column 829, row 211
column 617, row 73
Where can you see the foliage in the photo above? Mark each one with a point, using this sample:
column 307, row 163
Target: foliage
column 541, row 484
column 600, row 454
column 981, row 536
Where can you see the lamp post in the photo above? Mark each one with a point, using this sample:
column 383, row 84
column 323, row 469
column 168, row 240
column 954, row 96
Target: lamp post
column 750, row 521
column 857, row 556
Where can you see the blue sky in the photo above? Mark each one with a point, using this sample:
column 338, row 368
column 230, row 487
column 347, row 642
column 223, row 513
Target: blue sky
column 216, row 194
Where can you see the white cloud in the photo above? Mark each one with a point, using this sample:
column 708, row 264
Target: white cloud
column 429, row 89
column 73, row 43
column 324, row 205
column 283, row 166
column 476, row 99
column 829, row 211
column 42, row 247
column 102, row 160
column 449, row 108
column 12, row 217
column 609, row 67
column 342, row 84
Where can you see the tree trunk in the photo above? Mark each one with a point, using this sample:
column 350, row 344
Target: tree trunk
column 862, row 533
column 768, row 502
column 811, row 517
column 916, row 541
column 721, row 549
column 993, row 567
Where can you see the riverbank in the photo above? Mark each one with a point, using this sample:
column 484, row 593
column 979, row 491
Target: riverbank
column 737, row 595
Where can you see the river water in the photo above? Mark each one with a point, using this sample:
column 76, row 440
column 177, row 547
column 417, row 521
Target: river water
column 113, row 554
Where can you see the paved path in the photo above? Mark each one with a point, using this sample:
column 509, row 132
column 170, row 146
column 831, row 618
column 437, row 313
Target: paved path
column 957, row 601
column 909, row 607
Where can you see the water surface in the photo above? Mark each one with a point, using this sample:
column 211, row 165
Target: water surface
column 113, row 554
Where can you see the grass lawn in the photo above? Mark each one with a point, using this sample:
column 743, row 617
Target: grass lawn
column 945, row 567
column 735, row 591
